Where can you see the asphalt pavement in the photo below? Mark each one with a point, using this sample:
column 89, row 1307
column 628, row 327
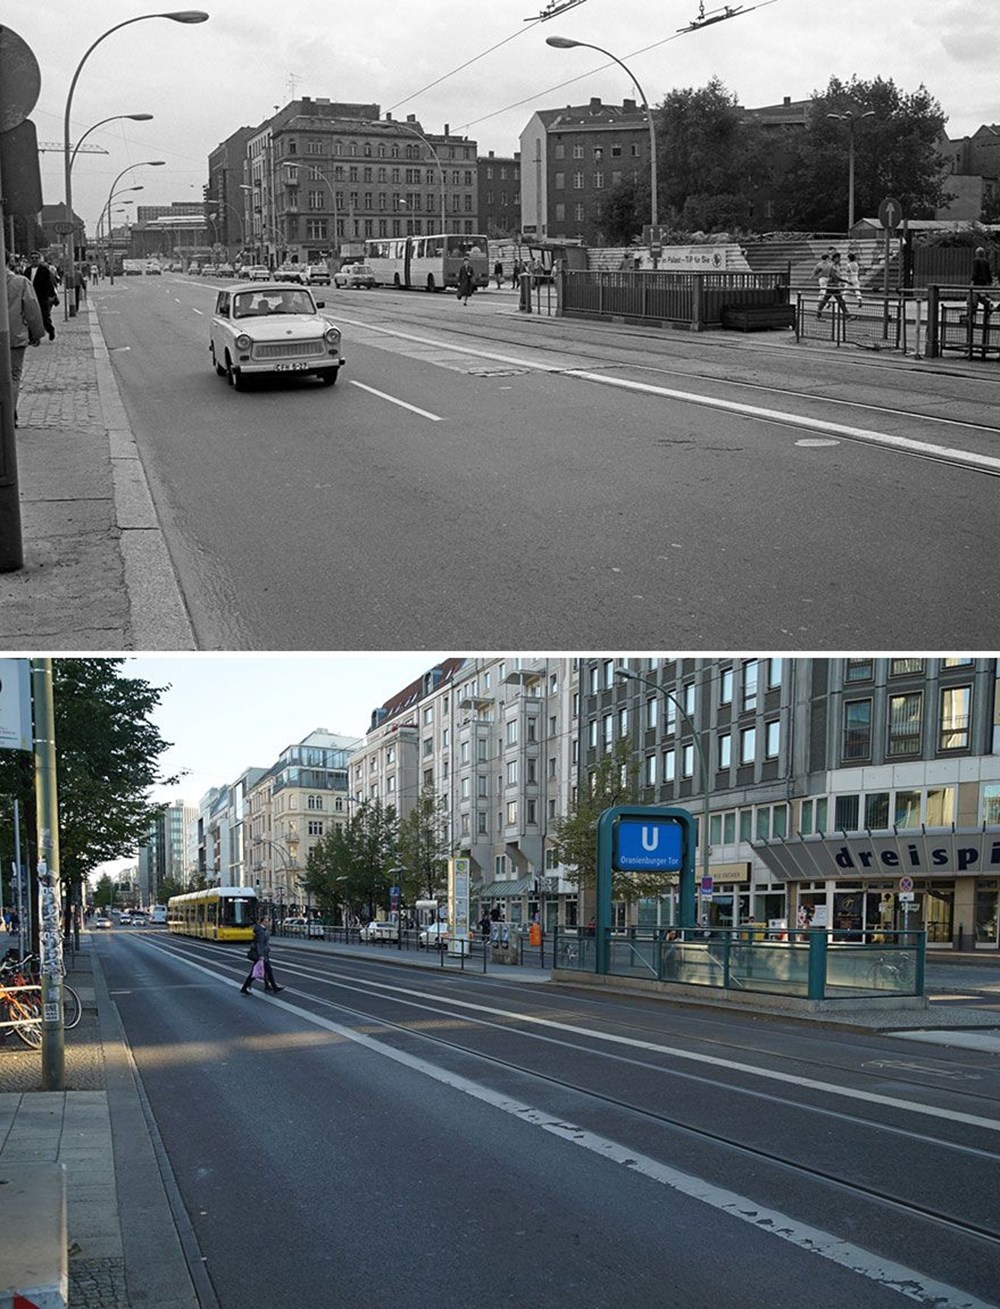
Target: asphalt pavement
column 97, row 574
column 129, row 1237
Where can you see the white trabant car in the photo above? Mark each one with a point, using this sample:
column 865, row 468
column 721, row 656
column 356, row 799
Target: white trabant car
column 272, row 327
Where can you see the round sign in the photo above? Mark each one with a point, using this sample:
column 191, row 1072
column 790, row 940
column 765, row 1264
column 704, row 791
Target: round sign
column 20, row 80
column 906, row 883
column 890, row 213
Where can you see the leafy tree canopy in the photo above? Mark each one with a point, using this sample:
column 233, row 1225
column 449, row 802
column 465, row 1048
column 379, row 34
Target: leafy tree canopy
column 356, row 863
column 107, row 760
column 424, row 847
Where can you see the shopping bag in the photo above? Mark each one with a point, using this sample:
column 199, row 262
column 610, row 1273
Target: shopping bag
column 258, row 970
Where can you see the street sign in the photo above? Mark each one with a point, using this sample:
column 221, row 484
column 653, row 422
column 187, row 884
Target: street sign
column 890, row 213
column 63, row 229
column 906, row 883
column 20, row 79
column 648, row 845
column 907, row 897
column 15, row 705
column 707, row 885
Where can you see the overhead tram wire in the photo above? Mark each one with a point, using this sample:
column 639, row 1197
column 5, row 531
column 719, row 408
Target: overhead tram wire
column 686, row 31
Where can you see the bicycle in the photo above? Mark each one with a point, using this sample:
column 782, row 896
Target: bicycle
column 891, row 974
column 22, row 1011
column 25, row 972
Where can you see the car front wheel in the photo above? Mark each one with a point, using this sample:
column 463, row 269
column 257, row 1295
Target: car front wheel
column 218, row 367
column 236, row 379
column 329, row 376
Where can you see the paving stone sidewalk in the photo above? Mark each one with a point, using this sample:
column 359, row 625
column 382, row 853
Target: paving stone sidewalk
column 96, row 575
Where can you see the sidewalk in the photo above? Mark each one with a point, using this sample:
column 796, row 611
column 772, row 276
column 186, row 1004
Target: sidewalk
column 96, row 572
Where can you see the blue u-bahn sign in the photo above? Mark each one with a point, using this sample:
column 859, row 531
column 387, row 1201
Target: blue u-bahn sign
column 644, row 845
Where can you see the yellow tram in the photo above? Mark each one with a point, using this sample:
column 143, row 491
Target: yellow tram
column 219, row 913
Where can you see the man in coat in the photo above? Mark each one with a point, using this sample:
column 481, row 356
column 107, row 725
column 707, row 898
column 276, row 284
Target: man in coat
column 27, row 326
column 43, row 283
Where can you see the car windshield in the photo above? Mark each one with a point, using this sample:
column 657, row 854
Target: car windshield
column 259, row 304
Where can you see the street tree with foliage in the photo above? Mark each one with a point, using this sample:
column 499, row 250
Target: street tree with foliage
column 424, row 847
column 895, row 154
column 354, row 863
column 614, row 781
column 108, row 753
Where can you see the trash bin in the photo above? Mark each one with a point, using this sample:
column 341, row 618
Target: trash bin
column 535, row 934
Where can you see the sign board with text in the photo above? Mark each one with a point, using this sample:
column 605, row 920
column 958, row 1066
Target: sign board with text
column 15, row 705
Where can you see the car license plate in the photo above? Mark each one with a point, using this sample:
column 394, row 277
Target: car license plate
column 291, row 368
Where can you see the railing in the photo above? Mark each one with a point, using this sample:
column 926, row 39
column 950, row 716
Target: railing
column 963, row 320
column 691, row 300
column 813, row 965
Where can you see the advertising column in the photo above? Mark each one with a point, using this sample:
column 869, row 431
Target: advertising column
column 458, row 905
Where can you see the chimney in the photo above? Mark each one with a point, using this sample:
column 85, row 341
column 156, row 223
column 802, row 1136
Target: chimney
column 411, row 118
column 447, row 130
column 595, row 103
column 628, row 106
column 787, row 100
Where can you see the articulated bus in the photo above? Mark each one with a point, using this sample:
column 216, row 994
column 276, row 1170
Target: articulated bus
column 220, row 913
column 429, row 262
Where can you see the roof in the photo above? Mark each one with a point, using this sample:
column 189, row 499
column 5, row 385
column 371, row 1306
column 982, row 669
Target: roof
column 594, row 114
column 413, row 693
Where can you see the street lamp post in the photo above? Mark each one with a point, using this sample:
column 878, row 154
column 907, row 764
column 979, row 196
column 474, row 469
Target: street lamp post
column 702, row 766
column 848, row 117
column 566, row 43
column 176, row 16
column 136, row 118
column 145, row 163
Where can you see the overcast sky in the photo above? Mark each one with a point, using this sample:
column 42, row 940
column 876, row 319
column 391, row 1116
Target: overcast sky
column 481, row 68
column 225, row 713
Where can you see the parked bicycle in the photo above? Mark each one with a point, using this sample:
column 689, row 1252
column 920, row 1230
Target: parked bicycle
column 892, row 973
column 26, row 973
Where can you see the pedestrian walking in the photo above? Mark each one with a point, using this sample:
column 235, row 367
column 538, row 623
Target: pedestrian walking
column 982, row 275
column 834, row 282
column 498, row 273
column 27, row 327
column 466, row 280
column 43, row 284
column 260, row 954
column 515, row 274
column 853, row 276
column 822, row 273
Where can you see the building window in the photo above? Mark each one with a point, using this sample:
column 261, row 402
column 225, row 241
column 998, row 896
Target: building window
column 905, row 713
column 669, row 765
column 857, row 743
column 609, row 673
column 725, row 750
column 859, row 670
column 512, row 813
column 877, row 811
column 512, row 731
column 578, row 152
column 845, row 814
column 748, row 745
column 991, row 803
column 772, row 739
column 687, row 762
column 577, row 181
column 314, row 827
column 512, row 772
column 652, row 706
column 903, row 667
column 775, row 667
column 726, row 686
column 314, row 801
column 651, row 770
column 906, row 812
column 750, row 684
column 955, row 718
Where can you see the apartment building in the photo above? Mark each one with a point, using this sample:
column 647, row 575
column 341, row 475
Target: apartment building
column 844, row 793
column 321, row 177
column 288, row 809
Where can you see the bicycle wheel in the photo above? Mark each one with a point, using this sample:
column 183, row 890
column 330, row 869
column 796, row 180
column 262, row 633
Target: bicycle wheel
column 72, row 1008
column 28, row 1015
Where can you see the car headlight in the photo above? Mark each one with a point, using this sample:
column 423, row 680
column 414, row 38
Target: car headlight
column 243, row 342
column 332, row 336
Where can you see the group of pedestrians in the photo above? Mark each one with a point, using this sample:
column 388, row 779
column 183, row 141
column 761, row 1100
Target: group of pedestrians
column 833, row 276
column 31, row 297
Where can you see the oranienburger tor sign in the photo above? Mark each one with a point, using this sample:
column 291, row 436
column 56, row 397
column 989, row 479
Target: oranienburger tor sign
column 941, row 852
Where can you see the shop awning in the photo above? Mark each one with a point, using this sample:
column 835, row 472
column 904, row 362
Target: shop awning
column 502, row 890
column 910, row 852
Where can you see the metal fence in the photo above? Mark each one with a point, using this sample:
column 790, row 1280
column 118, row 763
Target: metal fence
column 692, row 300
column 813, row 965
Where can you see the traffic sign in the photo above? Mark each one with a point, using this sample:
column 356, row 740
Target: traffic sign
column 890, row 213
column 20, row 79
column 906, row 883
column 648, row 845
column 63, row 229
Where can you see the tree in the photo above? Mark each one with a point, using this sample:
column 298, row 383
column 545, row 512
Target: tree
column 710, row 158
column 614, row 781
column 624, row 210
column 352, row 863
column 424, row 846
column 107, row 760
column 895, row 153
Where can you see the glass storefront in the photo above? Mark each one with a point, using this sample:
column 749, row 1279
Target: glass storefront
column 988, row 914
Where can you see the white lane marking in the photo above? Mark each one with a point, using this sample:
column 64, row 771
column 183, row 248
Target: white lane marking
column 435, row 418
column 199, row 312
column 984, row 463
column 909, row 1282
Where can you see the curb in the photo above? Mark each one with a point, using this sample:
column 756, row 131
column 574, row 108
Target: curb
column 159, row 617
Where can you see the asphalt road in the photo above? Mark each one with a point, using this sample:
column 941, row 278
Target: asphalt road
column 487, row 479
column 379, row 1136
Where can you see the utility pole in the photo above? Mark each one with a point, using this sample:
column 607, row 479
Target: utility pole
column 49, row 909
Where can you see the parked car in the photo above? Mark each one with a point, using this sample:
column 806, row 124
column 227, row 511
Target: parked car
column 380, row 930
column 210, row 270
column 225, row 270
column 256, row 273
column 131, row 268
column 437, row 934
column 273, row 328
column 356, row 276
column 153, row 269
column 302, row 927
column 316, row 275
column 194, row 268
column 290, row 273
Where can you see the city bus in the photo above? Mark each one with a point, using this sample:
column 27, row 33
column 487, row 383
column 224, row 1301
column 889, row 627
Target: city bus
column 219, row 913
column 158, row 913
column 428, row 262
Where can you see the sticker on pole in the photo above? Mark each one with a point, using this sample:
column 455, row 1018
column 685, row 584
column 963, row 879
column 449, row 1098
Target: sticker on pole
column 648, row 845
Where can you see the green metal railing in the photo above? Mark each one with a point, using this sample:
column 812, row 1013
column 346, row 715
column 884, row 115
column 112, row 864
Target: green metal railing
column 813, row 965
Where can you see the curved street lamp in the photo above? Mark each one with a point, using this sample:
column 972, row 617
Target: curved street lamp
column 849, row 118
column 175, row 16
column 136, row 118
column 566, row 43
column 145, row 163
